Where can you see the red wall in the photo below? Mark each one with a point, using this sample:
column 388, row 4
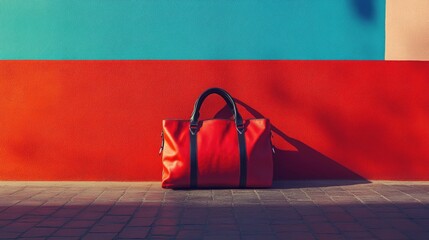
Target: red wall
column 101, row 120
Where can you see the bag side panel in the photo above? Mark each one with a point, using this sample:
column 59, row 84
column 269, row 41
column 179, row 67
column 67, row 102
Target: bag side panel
column 176, row 154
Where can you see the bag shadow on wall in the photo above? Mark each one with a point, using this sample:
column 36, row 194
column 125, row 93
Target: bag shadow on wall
column 304, row 163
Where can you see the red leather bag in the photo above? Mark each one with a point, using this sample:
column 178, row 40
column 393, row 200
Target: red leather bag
column 213, row 153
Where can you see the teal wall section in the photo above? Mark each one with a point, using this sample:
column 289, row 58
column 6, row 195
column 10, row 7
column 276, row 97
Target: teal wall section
column 198, row 29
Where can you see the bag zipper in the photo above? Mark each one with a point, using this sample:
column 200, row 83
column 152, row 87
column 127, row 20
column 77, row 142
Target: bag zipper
column 162, row 143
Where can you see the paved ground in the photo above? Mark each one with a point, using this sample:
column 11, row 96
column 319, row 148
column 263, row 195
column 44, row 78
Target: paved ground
column 291, row 210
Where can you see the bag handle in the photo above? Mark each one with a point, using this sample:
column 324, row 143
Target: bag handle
column 228, row 99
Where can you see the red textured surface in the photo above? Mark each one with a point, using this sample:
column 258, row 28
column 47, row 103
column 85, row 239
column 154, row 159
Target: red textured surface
column 101, row 120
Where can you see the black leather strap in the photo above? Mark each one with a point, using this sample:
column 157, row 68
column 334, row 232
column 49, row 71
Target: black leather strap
column 243, row 159
column 194, row 162
column 228, row 99
column 193, row 129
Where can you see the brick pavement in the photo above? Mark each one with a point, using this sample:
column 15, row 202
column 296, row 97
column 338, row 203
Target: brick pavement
column 290, row 210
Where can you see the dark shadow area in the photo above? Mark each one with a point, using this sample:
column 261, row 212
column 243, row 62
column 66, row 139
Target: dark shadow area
column 364, row 9
column 195, row 219
column 304, row 163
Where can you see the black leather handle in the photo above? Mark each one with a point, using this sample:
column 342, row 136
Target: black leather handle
column 228, row 99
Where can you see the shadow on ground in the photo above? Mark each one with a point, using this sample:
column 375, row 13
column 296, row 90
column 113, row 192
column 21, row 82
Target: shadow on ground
column 198, row 219
column 137, row 210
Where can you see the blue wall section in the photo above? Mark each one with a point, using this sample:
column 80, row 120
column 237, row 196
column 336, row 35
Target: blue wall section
column 212, row 29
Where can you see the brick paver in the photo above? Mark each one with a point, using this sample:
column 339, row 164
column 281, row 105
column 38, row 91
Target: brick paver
column 290, row 210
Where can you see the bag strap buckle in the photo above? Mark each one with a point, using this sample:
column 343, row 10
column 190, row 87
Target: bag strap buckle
column 240, row 128
column 193, row 128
